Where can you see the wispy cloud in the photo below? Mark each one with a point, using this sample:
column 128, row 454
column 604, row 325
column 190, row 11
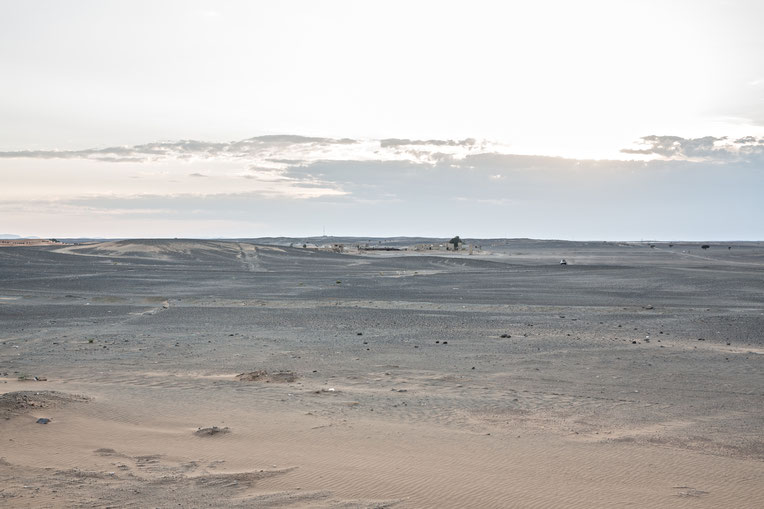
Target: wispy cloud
column 269, row 156
column 706, row 148
column 295, row 184
column 397, row 142
column 258, row 147
column 273, row 151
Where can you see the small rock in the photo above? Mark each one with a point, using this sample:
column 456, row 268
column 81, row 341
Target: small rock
column 649, row 306
column 212, row 430
column 43, row 420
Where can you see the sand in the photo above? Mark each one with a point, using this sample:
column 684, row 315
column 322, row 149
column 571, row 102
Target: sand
column 224, row 374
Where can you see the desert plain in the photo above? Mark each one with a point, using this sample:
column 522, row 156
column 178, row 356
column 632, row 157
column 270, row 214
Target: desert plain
column 196, row 373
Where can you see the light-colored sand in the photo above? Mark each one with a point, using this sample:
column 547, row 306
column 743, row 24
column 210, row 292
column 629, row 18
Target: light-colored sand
column 93, row 452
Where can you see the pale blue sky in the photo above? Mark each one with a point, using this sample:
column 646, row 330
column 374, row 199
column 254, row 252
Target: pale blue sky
column 592, row 119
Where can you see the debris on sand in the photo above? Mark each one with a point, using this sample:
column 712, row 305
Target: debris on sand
column 263, row 376
column 43, row 420
column 21, row 402
column 210, row 431
column 649, row 306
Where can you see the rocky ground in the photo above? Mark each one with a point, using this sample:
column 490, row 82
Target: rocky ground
column 631, row 375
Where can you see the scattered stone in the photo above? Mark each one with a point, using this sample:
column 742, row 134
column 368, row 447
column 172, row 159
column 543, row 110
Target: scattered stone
column 445, row 342
column 359, row 333
column 506, row 336
column 21, row 402
column 210, row 431
column 264, row 376
column 43, row 420
column 701, row 339
column 649, row 306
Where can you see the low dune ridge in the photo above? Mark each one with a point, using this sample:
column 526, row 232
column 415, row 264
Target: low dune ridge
column 219, row 373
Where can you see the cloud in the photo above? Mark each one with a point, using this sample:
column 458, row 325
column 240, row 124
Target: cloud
column 675, row 146
column 708, row 148
column 365, row 188
column 186, row 149
column 749, row 140
column 397, row 142
column 273, row 151
column 295, row 139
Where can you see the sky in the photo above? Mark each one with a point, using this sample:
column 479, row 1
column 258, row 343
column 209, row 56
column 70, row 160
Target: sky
column 602, row 120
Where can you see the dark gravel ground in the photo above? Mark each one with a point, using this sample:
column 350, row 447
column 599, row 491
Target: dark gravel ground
column 622, row 338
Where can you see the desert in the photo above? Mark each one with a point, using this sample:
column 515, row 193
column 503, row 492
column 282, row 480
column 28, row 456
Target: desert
column 258, row 373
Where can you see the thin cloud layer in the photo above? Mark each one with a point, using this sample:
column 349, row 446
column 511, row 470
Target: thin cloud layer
column 284, row 151
column 290, row 185
column 397, row 142
column 274, row 151
column 705, row 148
column 261, row 146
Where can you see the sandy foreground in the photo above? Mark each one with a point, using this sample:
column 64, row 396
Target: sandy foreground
column 632, row 377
